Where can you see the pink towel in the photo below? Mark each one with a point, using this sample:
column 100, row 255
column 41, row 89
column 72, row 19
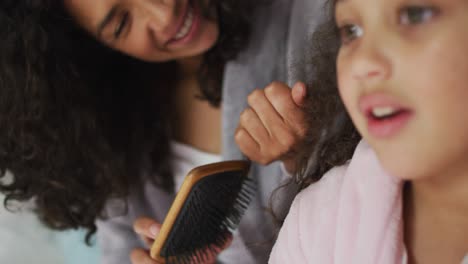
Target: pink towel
column 353, row 215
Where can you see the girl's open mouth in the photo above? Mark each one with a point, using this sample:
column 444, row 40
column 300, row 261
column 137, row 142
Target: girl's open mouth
column 385, row 115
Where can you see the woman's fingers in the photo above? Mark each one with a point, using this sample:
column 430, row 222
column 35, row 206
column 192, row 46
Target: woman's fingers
column 254, row 125
column 141, row 256
column 299, row 93
column 211, row 256
column 267, row 115
column 274, row 124
column 147, row 229
column 246, row 143
column 288, row 104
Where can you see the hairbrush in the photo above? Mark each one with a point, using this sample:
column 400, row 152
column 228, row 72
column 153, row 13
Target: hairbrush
column 205, row 211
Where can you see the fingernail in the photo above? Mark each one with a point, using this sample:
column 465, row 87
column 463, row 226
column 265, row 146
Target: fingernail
column 302, row 89
column 154, row 230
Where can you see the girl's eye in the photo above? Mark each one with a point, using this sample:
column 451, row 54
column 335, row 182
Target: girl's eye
column 416, row 15
column 121, row 25
column 349, row 32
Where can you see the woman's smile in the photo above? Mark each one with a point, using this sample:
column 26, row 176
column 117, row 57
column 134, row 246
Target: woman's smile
column 153, row 31
column 189, row 25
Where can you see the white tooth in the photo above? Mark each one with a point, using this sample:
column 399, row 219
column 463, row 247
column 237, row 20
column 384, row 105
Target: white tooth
column 188, row 21
column 186, row 26
column 182, row 32
column 383, row 111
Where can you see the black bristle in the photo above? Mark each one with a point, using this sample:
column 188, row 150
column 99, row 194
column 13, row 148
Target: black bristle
column 211, row 212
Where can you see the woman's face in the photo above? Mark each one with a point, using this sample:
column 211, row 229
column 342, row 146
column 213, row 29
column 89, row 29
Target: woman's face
column 150, row 30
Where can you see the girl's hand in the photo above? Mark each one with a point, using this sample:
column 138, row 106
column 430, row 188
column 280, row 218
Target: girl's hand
column 148, row 230
column 274, row 124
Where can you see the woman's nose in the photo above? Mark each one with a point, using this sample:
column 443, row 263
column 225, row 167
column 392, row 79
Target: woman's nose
column 162, row 16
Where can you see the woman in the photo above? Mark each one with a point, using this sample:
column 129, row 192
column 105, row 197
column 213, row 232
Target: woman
column 105, row 100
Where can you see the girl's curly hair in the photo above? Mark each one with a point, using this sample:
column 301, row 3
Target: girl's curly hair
column 81, row 124
column 331, row 137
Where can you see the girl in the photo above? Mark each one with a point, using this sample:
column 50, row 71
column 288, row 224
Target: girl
column 403, row 195
column 107, row 105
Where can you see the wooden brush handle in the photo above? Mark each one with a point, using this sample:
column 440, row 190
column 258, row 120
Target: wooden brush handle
column 191, row 179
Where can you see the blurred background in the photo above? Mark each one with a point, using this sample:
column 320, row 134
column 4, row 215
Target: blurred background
column 24, row 240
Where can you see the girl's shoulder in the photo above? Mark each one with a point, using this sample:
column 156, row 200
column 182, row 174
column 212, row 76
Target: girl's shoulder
column 328, row 185
column 327, row 190
column 318, row 203
column 324, row 216
column 353, row 179
column 313, row 207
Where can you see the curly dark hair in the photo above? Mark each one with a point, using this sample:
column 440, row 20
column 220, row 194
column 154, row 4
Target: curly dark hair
column 331, row 137
column 81, row 124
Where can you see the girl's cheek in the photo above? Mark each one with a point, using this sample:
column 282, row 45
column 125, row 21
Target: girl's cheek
column 347, row 93
column 343, row 81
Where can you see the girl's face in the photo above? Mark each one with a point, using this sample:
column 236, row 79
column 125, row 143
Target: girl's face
column 403, row 76
column 150, row 30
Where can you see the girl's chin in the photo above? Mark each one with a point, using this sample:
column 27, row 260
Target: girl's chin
column 406, row 172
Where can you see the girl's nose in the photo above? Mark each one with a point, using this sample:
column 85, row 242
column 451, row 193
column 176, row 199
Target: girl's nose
column 369, row 63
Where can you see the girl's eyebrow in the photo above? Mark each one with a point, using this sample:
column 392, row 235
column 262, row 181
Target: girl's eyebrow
column 108, row 18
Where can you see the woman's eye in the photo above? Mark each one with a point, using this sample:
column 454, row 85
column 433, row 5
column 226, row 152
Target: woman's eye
column 349, row 32
column 121, row 25
column 416, row 14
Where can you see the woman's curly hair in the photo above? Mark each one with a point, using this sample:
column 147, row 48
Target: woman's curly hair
column 81, row 124
column 331, row 137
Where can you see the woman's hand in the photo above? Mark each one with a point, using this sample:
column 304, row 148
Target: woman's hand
column 148, row 230
column 273, row 125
